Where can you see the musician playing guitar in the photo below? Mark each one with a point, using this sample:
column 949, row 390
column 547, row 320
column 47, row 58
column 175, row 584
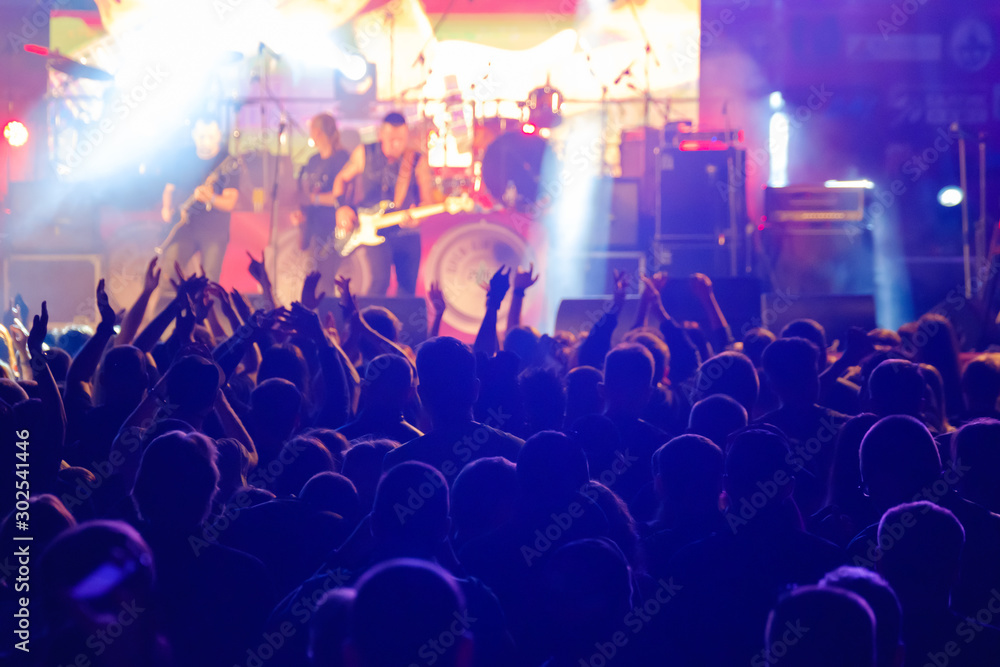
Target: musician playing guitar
column 387, row 170
column 211, row 194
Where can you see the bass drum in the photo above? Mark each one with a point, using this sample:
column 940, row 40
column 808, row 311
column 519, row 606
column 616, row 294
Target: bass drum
column 512, row 169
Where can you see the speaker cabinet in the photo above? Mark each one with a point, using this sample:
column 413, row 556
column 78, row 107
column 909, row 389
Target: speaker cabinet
column 67, row 282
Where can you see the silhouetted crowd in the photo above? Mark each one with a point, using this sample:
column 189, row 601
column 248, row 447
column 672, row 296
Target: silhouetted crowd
column 223, row 484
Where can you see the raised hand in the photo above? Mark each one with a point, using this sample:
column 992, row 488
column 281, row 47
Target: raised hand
column 305, row 321
column 108, row 317
column 621, row 287
column 242, row 306
column 525, row 279
column 347, row 302
column 499, row 285
column 309, row 297
column 436, row 296
column 39, row 328
column 152, row 278
column 701, row 285
column 257, row 268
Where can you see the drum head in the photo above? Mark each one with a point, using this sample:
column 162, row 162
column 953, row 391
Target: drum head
column 514, row 160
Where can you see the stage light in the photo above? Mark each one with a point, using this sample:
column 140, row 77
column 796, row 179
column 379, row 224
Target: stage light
column 354, row 86
column 354, row 67
column 528, row 128
column 777, row 101
column 860, row 183
column 779, row 139
column 950, row 196
column 15, row 133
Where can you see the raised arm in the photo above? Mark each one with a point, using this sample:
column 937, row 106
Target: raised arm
column 487, row 341
column 135, row 315
column 522, row 281
column 719, row 335
column 259, row 273
column 232, row 427
column 438, row 305
column 48, row 390
column 596, row 345
column 87, row 359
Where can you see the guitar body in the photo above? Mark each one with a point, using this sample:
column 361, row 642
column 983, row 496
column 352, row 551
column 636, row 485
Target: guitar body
column 372, row 220
column 182, row 216
column 366, row 231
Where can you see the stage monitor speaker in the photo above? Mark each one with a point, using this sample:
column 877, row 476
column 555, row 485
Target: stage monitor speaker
column 411, row 312
column 837, row 313
column 702, row 194
column 67, row 282
column 823, row 258
column 51, row 218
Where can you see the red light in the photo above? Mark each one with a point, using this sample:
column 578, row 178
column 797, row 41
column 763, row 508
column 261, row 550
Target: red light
column 700, row 145
column 36, row 49
column 760, row 228
column 763, row 218
column 528, row 128
column 16, row 133
column 739, row 136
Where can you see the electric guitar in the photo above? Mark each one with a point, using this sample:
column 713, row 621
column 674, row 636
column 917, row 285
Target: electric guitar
column 375, row 218
column 182, row 217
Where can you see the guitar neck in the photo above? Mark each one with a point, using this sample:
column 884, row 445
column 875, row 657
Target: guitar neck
column 395, row 217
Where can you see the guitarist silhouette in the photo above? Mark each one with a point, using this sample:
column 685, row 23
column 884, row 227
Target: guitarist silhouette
column 205, row 181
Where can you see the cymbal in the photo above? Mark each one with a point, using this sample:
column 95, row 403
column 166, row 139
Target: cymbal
column 76, row 69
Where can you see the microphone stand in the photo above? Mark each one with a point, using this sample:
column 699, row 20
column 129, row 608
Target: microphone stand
column 964, row 184
column 283, row 123
column 648, row 91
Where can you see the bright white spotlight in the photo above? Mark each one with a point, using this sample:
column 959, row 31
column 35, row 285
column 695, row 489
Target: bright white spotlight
column 950, row 196
column 779, row 139
column 354, row 67
column 777, row 101
column 859, row 183
column 15, row 133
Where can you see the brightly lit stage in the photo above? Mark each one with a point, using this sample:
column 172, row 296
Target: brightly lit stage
column 663, row 131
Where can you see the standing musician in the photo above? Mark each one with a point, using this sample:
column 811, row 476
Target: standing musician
column 388, row 171
column 214, row 198
column 316, row 216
